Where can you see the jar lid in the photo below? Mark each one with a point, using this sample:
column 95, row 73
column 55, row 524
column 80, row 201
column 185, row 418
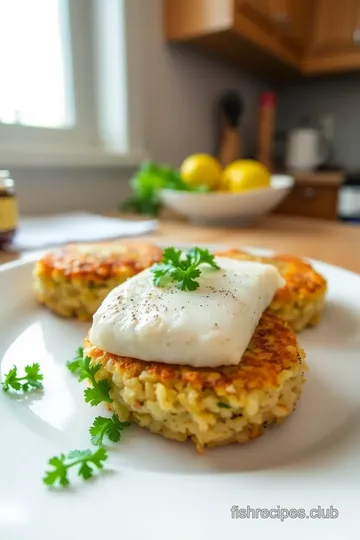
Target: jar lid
column 5, row 181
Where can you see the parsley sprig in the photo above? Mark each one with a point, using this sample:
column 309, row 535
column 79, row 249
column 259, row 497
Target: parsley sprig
column 100, row 390
column 182, row 269
column 84, row 369
column 109, row 427
column 28, row 382
column 86, row 461
column 74, row 364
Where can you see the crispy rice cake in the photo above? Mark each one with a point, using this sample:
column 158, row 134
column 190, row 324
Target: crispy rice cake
column 73, row 280
column 300, row 303
column 210, row 406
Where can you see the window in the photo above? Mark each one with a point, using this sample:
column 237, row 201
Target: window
column 36, row 89
column 65, row 91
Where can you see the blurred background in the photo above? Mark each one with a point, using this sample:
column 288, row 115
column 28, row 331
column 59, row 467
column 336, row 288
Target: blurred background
column 90, row 89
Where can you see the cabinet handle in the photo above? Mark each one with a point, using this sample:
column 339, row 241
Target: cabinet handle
column 280, row 18
column 309, row 193
column 356, row 37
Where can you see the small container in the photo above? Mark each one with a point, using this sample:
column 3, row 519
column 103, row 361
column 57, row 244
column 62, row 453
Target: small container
column 8, row 209
column 265, row 136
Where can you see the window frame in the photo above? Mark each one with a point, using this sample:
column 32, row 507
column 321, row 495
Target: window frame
column 94, row 139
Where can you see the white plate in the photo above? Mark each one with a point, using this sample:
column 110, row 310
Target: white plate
column 162, row 489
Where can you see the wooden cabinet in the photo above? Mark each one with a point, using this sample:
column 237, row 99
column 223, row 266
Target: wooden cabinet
column 270, row 11
column 335, row 43
column 263, row 23
column 265, row 34
column 297, row 22
column 314, row 195
column 289, row 18
column 299, row 36
column 335, row 24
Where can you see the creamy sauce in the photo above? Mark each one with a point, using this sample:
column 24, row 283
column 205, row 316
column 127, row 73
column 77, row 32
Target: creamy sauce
column 209, row 327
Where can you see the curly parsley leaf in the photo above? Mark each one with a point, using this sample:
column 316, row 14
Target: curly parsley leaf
column 59, row 472
column 182, row 269
column 28, row 382
column 100, row 389
column 109, row 427
column 196, row 256
column 74, row 364
column 81, row 366
column 86, row 461
column 99, row 393
column 172, row 256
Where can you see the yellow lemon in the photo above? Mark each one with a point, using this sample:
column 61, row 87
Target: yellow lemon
column 201, row 170
column 245, row 174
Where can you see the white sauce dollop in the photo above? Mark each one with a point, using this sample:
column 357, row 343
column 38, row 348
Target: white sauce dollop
column 209, row 327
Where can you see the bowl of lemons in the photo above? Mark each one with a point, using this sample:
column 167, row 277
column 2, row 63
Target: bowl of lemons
column 239, row 194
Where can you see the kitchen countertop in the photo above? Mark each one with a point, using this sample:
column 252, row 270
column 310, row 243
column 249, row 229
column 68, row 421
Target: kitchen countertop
column 331, row 242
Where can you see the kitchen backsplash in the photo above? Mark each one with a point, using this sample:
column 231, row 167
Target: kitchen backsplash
column 316, row 98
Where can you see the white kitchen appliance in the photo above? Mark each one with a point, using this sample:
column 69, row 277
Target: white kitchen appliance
column 307, row 149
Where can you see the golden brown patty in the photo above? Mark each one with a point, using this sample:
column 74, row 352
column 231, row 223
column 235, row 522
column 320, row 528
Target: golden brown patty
column 301, row 301
column 210, row 406
column 73, row 280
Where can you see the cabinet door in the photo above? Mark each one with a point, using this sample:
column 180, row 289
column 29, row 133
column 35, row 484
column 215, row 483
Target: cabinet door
column 295, row 19
column 262, row 7
column 336, row 25
column 311, row 201
column 262, row 23
column 287, row 18
column 266, row 11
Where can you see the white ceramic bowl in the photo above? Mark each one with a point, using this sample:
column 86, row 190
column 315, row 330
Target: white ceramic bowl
column 234, row 208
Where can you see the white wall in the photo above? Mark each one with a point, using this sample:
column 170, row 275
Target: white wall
column 179, row 89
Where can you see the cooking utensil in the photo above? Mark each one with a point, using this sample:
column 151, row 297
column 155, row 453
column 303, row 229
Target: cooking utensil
column 231, row 109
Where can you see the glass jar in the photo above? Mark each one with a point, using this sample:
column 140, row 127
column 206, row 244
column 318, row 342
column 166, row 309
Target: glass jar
column 8, row 209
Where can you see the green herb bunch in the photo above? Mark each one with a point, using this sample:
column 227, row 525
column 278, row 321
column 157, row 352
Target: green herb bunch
column 146, row 184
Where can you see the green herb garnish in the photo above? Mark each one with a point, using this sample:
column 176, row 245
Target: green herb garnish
column 182, row 269
column 74, row 364
column 223, row 405
column 84, row 369
column 109, row 427
column 86, row 460
column 100, row 390
column 30, row 381
column 147, row 182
